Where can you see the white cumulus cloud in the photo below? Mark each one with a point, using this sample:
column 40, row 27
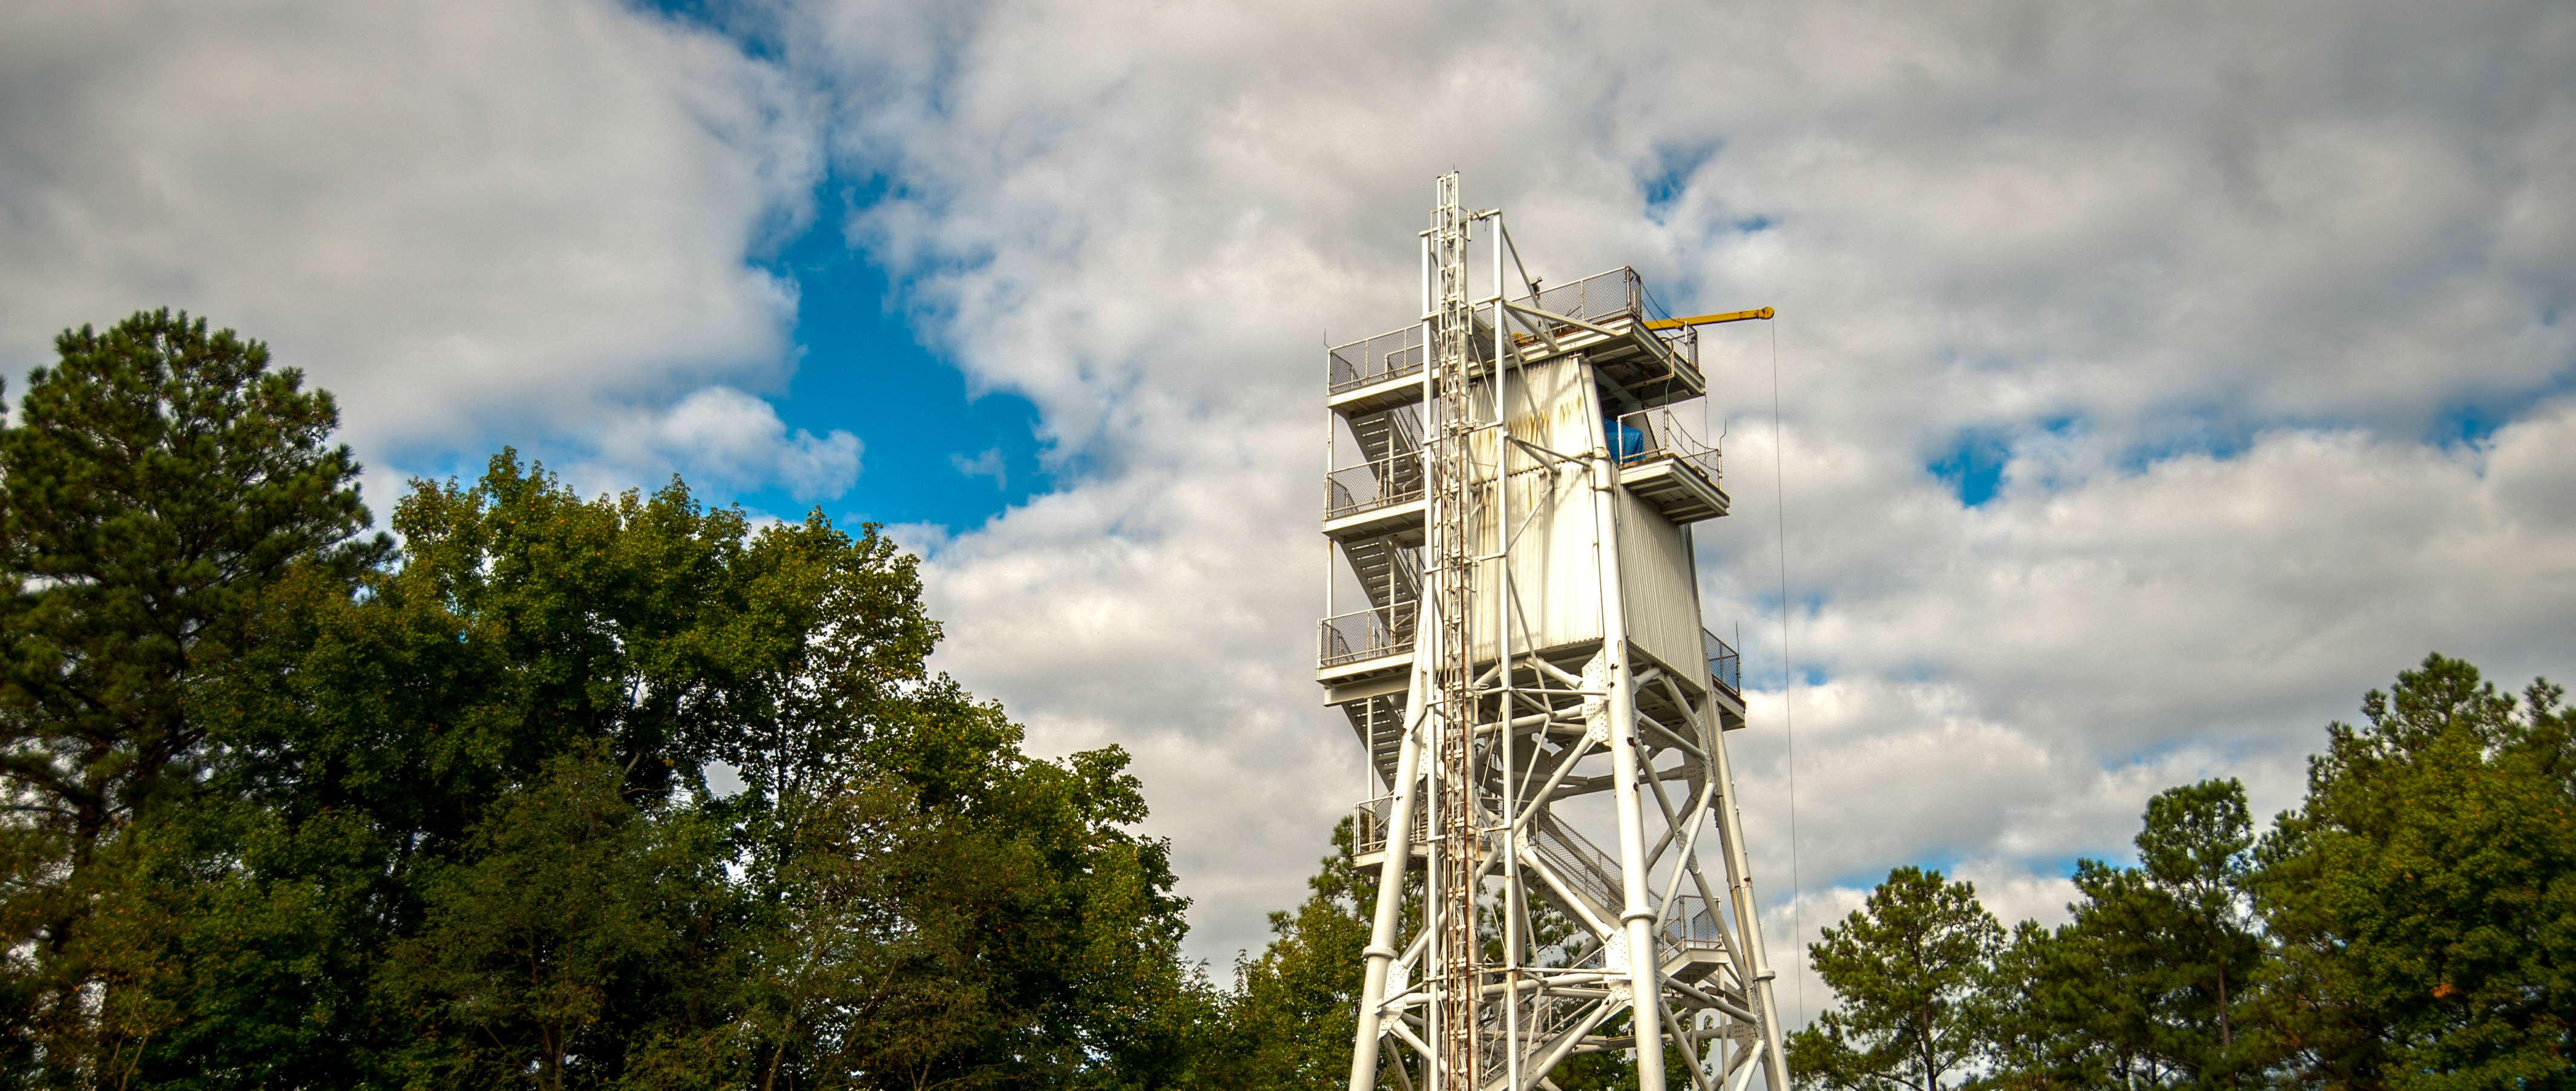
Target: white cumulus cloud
column 723, row 437
column 2205, row 279
column 470, row 219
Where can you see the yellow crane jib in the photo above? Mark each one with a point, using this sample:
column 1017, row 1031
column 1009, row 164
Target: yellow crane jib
column 1709, row 319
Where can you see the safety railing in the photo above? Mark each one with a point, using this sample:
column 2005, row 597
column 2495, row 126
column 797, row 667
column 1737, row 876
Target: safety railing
column 1394, row 479
column 1690, row 927
column 1369, row 823
column 1725, row 666
column 1577, row 861
column 1605, row 299
column 1599, row 298
column 1658, row 434
column 1366, row 634
column 1385, row 356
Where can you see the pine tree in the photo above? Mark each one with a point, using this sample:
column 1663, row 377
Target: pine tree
column 2424, row 895
column 2152, row 984
column 159, row 479
column 1911, row 968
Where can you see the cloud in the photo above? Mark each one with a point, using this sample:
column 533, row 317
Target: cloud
column 723, row 437
column 468, row 219
column 2208, row 280
column 987, row 464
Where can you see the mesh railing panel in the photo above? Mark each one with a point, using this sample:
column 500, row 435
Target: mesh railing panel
column 1659, row 433
column 1395, row 479
column 1597, row 298
column 1366, row 634
column 1385, row 356
column 1725, row 665
column 1691, row 927
column 1370, row 821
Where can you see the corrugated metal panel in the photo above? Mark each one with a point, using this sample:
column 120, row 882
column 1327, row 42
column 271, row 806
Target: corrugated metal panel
column 1659, row 596
column 1555, row 585
column 1546, row 406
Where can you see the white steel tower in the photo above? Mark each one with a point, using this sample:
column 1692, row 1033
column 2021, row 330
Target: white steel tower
column 1511, row 488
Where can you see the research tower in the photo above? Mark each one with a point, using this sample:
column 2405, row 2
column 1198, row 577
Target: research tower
column 1512, row 483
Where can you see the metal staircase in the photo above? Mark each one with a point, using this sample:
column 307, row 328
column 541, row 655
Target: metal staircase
column 1379, row 722
column 1397, row 431
column 1390, row 572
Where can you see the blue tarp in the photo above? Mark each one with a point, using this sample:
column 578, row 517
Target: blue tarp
column 1625, row 442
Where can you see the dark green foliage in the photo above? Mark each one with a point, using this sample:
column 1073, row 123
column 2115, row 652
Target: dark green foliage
column 1911, row 967
column 2152, row 984
column 571, row 927
column 294, row 811
column 2424, row 897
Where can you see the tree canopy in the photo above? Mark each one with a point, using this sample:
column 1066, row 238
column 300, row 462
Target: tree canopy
column 294, row 808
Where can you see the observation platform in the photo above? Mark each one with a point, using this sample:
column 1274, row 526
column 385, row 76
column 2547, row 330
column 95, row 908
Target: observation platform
column 1604, row 317
column 1667, row 467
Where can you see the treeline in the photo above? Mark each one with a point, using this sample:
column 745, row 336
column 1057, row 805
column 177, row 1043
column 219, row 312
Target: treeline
column 294, row 805
column 291, row 805
column 2411, row 925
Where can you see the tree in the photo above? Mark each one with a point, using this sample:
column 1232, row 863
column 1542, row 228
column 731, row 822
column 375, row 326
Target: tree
column 376, row 730
column 578, row 928
column 158, row 480
column 1911, row 969
column 2151, row 982
column 845, row 978
column 2424, row 894
column 660, row 636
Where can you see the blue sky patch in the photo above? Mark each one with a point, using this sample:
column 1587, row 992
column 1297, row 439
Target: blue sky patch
column 1671, row 175
column 934, row 454
column 2474, row 421
column 1973, row 465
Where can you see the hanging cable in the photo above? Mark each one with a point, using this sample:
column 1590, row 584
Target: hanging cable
column 1788, row 670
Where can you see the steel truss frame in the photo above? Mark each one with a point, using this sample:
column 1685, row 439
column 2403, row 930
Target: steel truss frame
column 1495, row 756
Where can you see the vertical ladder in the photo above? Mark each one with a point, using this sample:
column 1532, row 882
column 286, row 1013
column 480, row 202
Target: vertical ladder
column 1451, row 539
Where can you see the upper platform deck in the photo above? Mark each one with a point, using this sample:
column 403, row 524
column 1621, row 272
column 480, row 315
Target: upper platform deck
column 1604, row 318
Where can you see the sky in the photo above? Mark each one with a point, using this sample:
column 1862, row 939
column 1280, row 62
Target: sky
column 2152, row 379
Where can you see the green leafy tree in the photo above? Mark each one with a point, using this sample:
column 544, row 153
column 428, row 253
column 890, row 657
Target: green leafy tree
column 289, row 809
column 378, row 729
column 2151, row 983
column 1911, row 969
column 573, row 906
column 526, row 623
column 843, row 982
column 2424, row 895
